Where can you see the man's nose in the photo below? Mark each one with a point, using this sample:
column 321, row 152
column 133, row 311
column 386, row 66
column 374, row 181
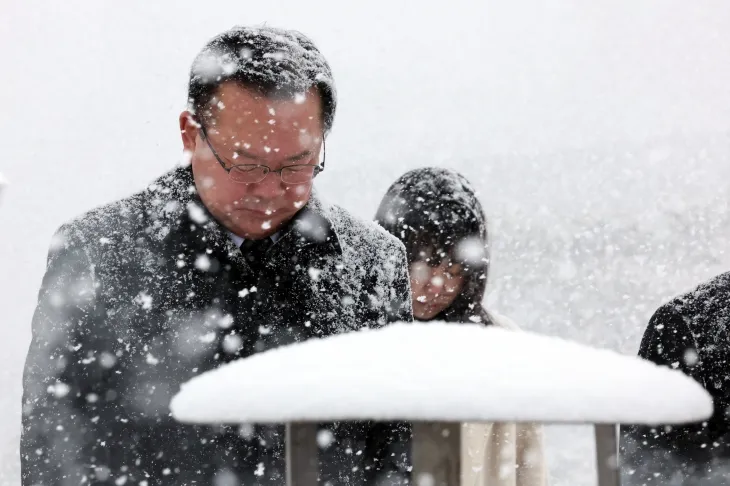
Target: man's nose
column 270, row 188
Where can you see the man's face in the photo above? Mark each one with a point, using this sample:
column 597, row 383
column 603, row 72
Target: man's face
column 245, row 127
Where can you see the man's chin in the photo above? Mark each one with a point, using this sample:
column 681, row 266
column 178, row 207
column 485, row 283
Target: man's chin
column 253, row 228
column 253, row 213
column 254, row 224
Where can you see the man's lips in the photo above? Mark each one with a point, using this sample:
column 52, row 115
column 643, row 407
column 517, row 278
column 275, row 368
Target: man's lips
column 264, row 213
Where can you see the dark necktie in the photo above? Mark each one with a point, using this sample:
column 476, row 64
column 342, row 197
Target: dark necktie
column 255, row 252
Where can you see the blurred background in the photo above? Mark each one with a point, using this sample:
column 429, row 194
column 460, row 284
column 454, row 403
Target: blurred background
column 596, row 132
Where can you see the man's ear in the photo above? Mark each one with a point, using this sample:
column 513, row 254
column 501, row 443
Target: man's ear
column 188, row 130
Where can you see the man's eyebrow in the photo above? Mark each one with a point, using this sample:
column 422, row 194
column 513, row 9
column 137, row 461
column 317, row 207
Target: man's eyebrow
column 248, row 155
column 300, row 156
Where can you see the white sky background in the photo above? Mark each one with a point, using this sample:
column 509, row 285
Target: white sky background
column 90, row 93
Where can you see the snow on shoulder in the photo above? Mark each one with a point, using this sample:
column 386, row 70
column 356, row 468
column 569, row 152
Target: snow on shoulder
column 448, row 372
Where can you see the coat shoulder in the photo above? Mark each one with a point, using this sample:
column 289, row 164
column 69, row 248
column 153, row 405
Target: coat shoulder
column 698, row 319
column 363, row 235
column 150, row 212
column 705, row 303
column 104, row 224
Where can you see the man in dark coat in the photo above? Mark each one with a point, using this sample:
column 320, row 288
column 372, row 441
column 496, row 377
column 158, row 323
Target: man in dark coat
column 690, row 333
column 226, row 256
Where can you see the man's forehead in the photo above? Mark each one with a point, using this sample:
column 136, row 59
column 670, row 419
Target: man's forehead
column 233, row 101
column 243, row 138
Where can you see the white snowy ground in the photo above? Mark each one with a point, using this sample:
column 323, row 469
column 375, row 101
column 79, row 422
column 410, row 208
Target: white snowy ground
column 596, row 131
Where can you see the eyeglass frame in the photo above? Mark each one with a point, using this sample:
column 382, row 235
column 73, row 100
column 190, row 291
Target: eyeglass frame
column 318, row 169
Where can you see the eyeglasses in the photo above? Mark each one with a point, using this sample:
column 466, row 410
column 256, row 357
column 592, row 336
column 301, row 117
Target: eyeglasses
column 255, row 173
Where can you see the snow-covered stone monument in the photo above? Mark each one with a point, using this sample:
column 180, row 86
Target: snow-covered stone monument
column 439, row 376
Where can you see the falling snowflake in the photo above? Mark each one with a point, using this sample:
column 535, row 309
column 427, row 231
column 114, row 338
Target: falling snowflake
column 58, row 241
column 226, row 477
column 470, row 251
column 107, row 359
column 425, row 479
column 325, row 438
column 59, row 390
column 314, row 273
column 232, row 343
column 212, row 65
column 437, row 281
column 202, row 262
column 102, row 473
column 145, row 300
column 225, row 322
column 246, row 431
column 207, row 338
column 56, row 300
column 196, row 213
column 691, row 357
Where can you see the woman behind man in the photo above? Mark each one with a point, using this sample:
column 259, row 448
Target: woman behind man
column 437, row 216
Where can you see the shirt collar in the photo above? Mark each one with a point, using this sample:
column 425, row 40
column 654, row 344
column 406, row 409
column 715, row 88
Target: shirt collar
column 239, row 240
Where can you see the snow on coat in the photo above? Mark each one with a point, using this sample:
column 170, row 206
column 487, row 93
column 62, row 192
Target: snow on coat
column 143, row 294
column 690, row 333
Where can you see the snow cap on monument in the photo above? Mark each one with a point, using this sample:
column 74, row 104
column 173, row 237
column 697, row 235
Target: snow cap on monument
column 446, row 372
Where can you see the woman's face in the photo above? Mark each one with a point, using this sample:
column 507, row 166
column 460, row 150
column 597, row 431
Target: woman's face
column 434, row 288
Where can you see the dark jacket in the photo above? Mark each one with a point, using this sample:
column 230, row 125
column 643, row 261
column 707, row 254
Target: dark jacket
column 438, row 207
column 145, row 293
column 690, row 333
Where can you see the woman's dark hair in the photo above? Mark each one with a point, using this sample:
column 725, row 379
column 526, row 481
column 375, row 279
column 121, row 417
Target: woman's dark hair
column 435, row 232
column 275, row 62
column 436, row 214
